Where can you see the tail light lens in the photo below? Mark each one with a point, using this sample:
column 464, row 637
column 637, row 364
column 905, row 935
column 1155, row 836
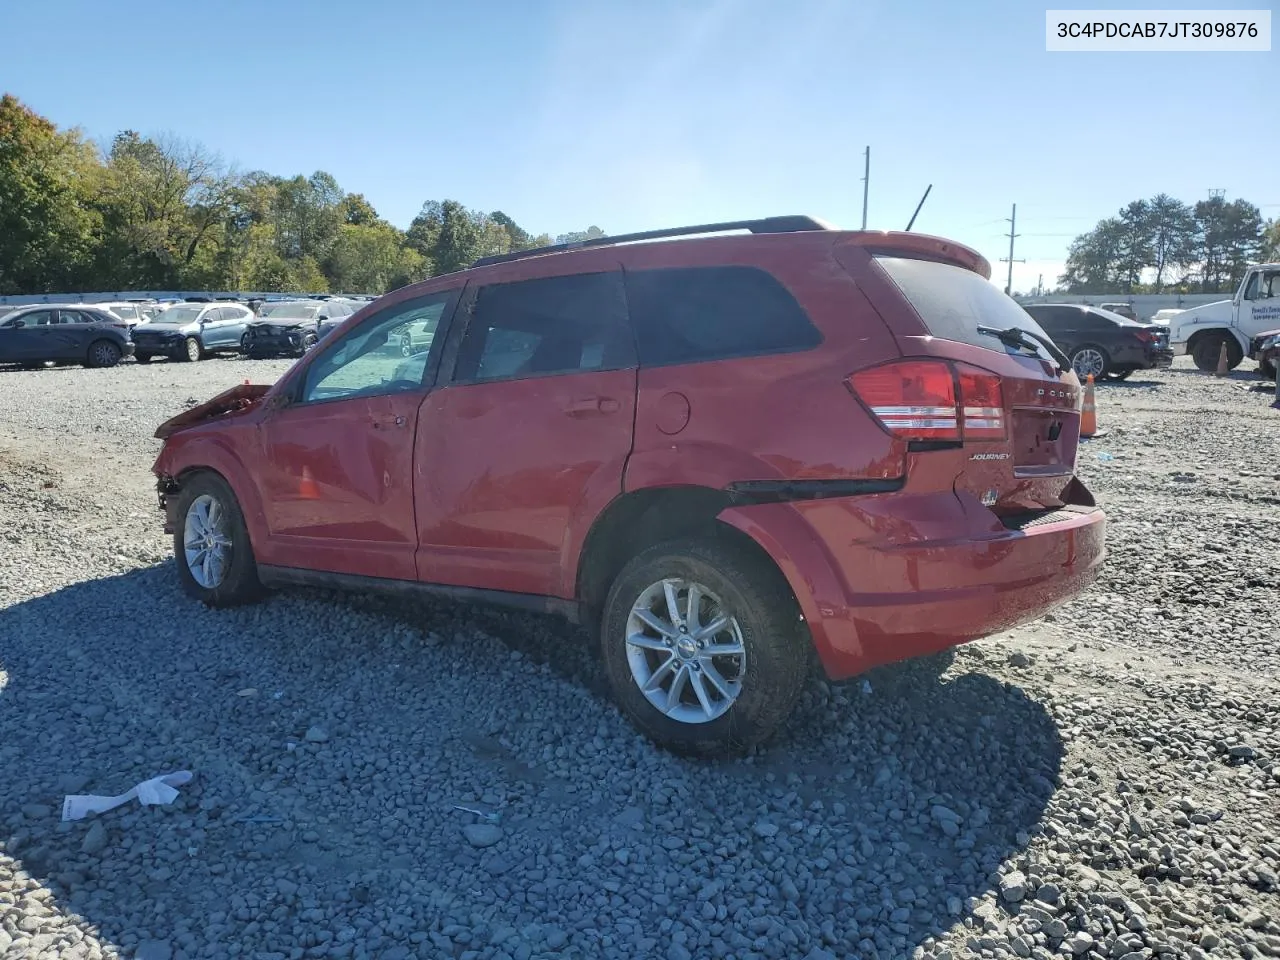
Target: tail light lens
column 914, row 399
column 933, row 400
column 1147, row 336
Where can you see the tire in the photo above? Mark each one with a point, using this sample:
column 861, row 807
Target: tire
column 103, row 353
column 406, row 345
column 1120, row 374
column 142, row 357
column 1267, row 369
column 192, row 350
column 1209, row 348
column 244, row 346
column 1090, row 358
column 760, row 684
column 308, row 344
column 234, row 581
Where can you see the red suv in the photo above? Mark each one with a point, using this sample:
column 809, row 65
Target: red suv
column 727, row 453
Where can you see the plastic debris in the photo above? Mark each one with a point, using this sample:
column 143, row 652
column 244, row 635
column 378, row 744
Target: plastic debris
column 1104, row 456
column 158, row 790
column 258, row 818
column 866, row 687
column 483, row 814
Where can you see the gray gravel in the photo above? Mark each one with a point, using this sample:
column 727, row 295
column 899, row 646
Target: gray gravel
column 441, row 781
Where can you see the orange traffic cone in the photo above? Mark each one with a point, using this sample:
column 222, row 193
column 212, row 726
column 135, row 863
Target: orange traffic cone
column 1222, row 360
column 307, row 488
column 1088, row 412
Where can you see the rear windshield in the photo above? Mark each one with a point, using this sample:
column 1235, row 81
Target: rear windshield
column 954, row 302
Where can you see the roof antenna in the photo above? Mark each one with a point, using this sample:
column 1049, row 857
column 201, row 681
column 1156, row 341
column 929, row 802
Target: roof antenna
column 918, row 206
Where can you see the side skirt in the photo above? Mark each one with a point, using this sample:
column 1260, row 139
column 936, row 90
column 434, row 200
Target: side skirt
column 272, row 576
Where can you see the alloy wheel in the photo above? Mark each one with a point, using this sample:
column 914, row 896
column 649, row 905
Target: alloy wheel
column 206, row 542
column 1088, row 361
column 685, row 651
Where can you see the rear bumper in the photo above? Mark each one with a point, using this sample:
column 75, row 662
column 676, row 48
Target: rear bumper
column 885, row 578
column 1161, row 359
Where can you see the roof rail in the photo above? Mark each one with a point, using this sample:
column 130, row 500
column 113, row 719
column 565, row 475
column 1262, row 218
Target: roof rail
column 789, row 224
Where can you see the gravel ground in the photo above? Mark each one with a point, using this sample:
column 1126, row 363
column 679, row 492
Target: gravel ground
column 1104, row 783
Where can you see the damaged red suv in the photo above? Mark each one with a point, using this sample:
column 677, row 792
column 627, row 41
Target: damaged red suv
column 727, row 453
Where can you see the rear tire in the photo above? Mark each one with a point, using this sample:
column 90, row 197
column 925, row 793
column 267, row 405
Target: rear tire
column 728, row 701
column 1120, row 374
column 103, row 353
column 232, row 579
column 1209, row 348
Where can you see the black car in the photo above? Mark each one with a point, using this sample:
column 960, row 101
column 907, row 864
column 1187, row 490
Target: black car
column 291, row 327
column 35, row 335
column 1103, row 343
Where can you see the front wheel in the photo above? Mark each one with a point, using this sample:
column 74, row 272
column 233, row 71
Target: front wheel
column 308, row 342
column 1208, row 351
column 192, row 350
column 406, row 345
column 1090, row 359
column 211, row 544
column 703, row 645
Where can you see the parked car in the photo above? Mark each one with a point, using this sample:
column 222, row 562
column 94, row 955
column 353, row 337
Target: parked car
column 1102, row 343
column 1265, row 348
column 131, row 313
column 192, row 331
column 724, row 453
column 34, row 335
column 1123, row 309
column 290, row 327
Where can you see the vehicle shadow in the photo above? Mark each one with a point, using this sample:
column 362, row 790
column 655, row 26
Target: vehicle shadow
column 1129, row 384
column 331, row 741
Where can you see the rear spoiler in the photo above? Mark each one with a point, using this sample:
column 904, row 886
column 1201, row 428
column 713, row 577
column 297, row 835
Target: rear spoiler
column 920, row 245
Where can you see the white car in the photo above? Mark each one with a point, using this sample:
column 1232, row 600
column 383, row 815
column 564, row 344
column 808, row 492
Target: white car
column 131, row 313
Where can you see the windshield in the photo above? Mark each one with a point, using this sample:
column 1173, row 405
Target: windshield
column 956, row 303
column 292, row 310
column 187, row 313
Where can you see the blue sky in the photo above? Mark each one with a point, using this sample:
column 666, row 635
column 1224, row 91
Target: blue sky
column 635, row 114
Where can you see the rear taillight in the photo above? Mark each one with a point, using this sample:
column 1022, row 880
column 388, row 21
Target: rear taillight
column 933, row 400
column 1147, row 336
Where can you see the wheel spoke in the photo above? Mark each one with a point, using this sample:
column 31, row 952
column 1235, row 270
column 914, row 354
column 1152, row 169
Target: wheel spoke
column 215, row 516
column 717, row 679
column 693, row 608
column 673, row 603
column 647, row 643
column 677, row 687
column 656, row 678
column 654, row 623
column 712, row 628
column 700, row 690
column 733, row 648
column 207, row 567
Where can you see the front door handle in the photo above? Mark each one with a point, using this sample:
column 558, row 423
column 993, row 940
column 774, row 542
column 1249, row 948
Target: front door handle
column 387, row 423
column 589, row 405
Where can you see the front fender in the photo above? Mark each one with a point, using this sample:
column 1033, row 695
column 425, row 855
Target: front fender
column 194, row 450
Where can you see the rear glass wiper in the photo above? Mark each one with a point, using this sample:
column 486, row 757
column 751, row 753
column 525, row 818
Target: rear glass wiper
column 1018, row 337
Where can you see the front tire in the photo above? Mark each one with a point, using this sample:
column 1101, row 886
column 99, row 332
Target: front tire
column 1090, row 359
column 1209, row 348
column 211, row 545
column 703, row 645
column 192, row 350
column 142, row 357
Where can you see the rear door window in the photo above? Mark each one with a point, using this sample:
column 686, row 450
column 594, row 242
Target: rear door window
column 954, row 303
column 693, row 314
column 547, row 326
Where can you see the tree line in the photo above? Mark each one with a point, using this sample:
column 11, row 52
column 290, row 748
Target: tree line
column 160, row 213
column 1164, row 245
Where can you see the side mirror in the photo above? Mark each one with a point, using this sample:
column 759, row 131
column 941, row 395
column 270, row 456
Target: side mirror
column 19, row 323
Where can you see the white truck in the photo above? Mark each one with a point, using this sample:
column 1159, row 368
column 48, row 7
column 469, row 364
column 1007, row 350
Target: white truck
column 1238, row 322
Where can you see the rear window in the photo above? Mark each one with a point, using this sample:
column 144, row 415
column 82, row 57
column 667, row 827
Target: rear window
column 691, row 314
column 954, row 302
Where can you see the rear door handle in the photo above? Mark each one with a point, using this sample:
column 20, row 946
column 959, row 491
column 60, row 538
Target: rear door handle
column 589, row 405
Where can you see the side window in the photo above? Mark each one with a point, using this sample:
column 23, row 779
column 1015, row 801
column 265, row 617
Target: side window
column 1047, row 317
column 127, row 312
column 371, row 360
column 1251, row 290
column 1271, row 286
column 689, row 314
column 72, row 316
column 546, row 326
column 41, row 318
column 1094, row 323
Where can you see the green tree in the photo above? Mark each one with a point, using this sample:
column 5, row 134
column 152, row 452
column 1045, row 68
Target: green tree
column 1093, row 259
column 1271, row 242
column 1172, row 236
column 1135, row 248
column 47, row 232
column 372, row 259
column 1228, row 237
column 591, row 233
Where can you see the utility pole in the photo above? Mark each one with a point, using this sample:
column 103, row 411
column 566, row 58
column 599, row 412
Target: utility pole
column 1013, row 223
column 1040, row 286
column 866, row 186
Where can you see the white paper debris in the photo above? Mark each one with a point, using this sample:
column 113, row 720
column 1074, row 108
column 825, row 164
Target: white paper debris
column 157, row 790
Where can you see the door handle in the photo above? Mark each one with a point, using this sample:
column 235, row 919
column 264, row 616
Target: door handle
column 590, row 405
column 386, row 423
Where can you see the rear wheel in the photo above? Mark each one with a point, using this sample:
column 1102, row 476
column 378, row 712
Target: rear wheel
column 211, row 544
column 1121, row 374
column 703, row 645
column 192, row 350
column 1208, row 350
column 103, row 353
column 1090, row 359
column 406, row 344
